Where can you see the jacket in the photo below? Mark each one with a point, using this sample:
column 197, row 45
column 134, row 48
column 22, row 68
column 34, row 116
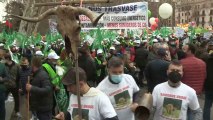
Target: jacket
column 88, row 65
column 13, row 70
column 208, row 86
column 194, row 73
column 155, row 73
column 5, row 76
column 41, row 94
column 141, row 57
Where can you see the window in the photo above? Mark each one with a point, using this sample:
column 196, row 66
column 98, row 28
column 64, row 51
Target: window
column 182, row 14
column 202, row 19
column 210, row 19
column 186, row 14
column 211, row 12
column 182, row 21
column 203, row 13
column 211, row 4
column 204, row 5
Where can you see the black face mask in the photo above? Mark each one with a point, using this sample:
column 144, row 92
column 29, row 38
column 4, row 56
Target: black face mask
column 174, row 76
column 24, row 67
column 100, row 56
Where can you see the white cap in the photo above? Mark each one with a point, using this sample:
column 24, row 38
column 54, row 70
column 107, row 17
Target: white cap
column 53, row 55
column 137, row 41
column 1, row 44
column 116, row 42
column 99, row 51
column 144, row 41
column 39, row 53
column 155, row 40
column 112, row 48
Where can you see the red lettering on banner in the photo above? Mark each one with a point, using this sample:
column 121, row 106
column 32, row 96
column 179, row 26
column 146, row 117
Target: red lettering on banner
column 84, row 18
column 112, row 24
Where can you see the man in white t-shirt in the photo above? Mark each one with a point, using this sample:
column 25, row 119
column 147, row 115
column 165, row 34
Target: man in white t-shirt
column 121, row 89
column 172, row 99
column 95, row 104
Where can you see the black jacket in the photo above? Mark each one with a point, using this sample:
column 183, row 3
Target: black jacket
column 208, row 86
column 41, row 94
column 88, row 65
column 155, row 73
column 141, row 57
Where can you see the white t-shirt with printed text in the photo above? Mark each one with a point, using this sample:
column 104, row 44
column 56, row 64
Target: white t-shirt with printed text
column 95, row 106
column 173, row 103
column 121, row 95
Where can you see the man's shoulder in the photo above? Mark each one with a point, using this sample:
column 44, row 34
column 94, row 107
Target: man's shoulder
column 161, row 85
column 187, row 88
column 103, row 83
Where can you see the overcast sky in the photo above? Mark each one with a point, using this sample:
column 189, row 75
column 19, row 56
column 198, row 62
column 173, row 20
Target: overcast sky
column 2, row 10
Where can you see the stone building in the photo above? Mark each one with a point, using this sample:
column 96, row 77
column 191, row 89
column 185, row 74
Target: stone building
column 200, row 11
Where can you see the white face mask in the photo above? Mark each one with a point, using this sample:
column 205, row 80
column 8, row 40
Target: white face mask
column 117, row 78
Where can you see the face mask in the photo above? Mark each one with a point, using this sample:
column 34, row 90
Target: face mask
column 116, row 78
column 100, row 56
column 174, row 76
column 24, row 67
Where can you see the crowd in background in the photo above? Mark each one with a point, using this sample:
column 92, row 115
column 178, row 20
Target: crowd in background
column 145, row 60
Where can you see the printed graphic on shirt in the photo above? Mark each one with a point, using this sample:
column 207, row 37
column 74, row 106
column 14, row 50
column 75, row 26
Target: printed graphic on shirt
column 122, row 100
column 85, row 114
column 171, row 108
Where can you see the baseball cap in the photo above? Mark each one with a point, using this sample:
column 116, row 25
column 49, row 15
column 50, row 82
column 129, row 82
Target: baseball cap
column 112, row 48
column 99, row 51
column 70, row 77
column 39, row 53
column 155, row 40
column 53, row 55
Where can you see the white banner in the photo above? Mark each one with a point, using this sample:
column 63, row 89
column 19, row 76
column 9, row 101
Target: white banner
column 126, row 16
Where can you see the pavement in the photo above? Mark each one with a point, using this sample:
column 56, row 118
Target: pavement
column 10, row 106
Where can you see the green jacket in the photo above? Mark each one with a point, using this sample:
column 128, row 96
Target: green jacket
column 4, row 74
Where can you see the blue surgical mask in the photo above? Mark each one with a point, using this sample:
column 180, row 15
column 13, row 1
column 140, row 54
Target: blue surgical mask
column 117, row 78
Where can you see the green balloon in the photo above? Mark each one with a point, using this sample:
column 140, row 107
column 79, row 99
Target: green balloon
column 149, row 13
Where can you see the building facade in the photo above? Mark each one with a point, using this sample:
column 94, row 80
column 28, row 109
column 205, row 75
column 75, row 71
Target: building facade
column 200, row 11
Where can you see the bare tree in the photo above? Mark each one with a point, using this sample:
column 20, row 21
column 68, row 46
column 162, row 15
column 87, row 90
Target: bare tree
column 31, row 11
column 16, row 8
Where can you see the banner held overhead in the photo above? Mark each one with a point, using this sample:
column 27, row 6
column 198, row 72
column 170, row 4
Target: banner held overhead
column 125, row 16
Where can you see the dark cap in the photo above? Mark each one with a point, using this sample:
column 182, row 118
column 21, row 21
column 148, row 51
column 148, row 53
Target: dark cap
column 70, row 77
column 161, row 52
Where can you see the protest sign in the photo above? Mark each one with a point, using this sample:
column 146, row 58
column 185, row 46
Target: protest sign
column 126, row 16
column 179, row 32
